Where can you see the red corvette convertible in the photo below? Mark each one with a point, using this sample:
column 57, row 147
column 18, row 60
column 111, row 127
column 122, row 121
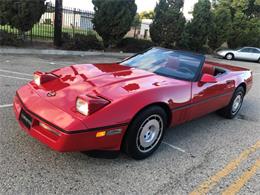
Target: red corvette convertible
column 127, row 105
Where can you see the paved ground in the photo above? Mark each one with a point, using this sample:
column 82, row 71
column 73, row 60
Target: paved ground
column 209, row 155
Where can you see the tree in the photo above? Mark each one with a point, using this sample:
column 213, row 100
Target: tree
column 186, row 37
column 245, row 22
column 221, row 26
column 168, row 24
column 113, row 19
column 147, row 14
column 244, row 31
column 197, row 31
column 21, row 14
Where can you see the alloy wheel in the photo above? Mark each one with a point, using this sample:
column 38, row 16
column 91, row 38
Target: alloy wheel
column 237, row 103
column 149, row 133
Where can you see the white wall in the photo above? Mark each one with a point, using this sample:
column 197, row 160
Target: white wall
column 145, row 26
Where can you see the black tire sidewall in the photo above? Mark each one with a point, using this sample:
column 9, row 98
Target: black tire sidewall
column 239, row 91
column 229, row 54
column 132, row 132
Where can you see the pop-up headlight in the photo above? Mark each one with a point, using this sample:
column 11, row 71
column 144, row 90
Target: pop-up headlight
column 40, row 77
column 87, row 105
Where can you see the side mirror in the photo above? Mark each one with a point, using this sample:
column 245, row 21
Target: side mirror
column 207, row 78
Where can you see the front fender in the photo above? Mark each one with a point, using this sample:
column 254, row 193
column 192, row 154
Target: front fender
column 123, row 110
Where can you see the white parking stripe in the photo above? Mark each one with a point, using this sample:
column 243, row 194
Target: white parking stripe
column 174, row 147
column 13, row 72
column 6, row 106
column 26, row 79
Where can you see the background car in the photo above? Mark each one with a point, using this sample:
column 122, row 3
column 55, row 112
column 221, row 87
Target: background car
column 245, row 53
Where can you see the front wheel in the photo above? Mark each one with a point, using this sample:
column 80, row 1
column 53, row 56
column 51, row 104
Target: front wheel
column 229, row 56
column 145, row 133
column 235, row 104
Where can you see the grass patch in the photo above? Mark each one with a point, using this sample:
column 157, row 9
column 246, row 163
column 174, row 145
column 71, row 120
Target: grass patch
column 45, row 31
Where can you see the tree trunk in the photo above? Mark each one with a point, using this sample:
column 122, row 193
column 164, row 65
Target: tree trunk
column 135, row 32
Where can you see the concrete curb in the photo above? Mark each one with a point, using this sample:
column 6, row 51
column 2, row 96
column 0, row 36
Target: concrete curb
column 24, row 51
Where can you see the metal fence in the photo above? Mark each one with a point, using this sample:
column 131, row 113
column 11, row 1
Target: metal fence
column 73, row 21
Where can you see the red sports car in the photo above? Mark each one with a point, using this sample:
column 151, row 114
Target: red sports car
column 127, row 105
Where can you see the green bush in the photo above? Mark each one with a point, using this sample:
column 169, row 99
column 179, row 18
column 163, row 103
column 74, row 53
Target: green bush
column 9, row 39
column 67, row 41
column 81, row 42
column 113, row 19
column 206, row 50
column 134, row 45
column 88, row 42
column 21, row 14
column 66, row 38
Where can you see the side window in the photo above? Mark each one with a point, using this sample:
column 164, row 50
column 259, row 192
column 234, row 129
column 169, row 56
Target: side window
column 255, row 51
column 245, row 50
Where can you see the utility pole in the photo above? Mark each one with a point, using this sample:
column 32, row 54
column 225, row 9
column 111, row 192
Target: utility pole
column 58, row 23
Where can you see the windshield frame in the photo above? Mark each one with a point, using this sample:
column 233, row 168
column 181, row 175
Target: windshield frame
column 197, row 75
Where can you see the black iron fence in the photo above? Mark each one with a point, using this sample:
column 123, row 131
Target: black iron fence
column 73, row 21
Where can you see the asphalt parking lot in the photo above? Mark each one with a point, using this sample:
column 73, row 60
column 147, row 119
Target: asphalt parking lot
column 209, row 155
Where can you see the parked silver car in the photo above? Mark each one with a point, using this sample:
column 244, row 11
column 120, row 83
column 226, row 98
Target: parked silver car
column 245, row 53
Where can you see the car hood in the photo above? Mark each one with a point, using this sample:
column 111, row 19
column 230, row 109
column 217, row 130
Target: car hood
column 111, row 81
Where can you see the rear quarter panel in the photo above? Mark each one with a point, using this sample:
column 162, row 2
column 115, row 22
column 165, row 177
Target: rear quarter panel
column 238, row 74
column 247, row 78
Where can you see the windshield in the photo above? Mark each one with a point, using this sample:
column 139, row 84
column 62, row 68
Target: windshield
column 176, row 64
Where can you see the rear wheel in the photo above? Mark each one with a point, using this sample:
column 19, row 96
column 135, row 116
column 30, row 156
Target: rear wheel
column 235, row 104
column 229, row 56
column 145, row 133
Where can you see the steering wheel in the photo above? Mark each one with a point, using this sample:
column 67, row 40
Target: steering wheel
column 185, row 70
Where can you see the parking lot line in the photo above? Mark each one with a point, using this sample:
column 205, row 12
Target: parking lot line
column 206, row 186
column 174, row 147
column 13, row 72
column 20, row 78
column 6, row 105
column 241, row 181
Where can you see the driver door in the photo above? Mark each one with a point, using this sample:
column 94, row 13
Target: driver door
column 209, row 97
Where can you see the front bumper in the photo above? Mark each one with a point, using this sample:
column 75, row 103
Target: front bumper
column 218, row 55
column 68, row 141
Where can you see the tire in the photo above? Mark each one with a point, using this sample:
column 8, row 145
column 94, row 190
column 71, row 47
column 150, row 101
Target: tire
column 235, row 104
column 229, row 56
column 258, row 60
column 145, row 133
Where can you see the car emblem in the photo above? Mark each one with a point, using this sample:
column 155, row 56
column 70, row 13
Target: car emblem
column 51, row 94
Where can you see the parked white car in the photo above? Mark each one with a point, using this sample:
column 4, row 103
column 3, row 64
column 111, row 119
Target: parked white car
column 245, row 53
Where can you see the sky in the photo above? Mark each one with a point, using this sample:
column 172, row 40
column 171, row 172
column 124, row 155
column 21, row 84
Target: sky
column 143, row 5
